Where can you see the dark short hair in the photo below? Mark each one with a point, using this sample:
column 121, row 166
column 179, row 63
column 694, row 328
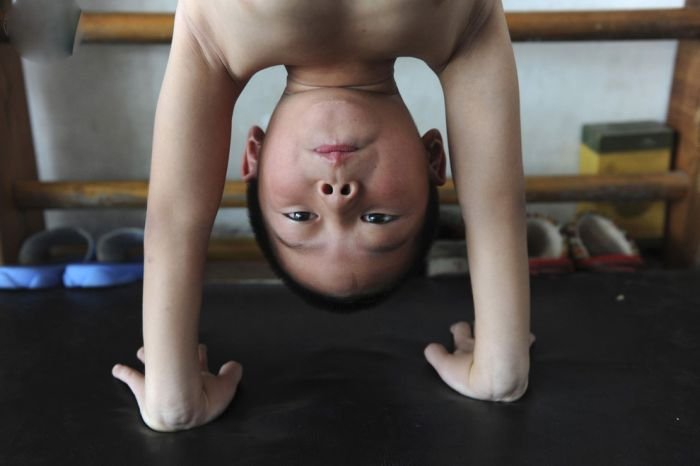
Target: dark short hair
column 347, row 303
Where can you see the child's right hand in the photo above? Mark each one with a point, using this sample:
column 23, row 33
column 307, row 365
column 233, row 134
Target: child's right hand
column 457, row 369
column 216, row 394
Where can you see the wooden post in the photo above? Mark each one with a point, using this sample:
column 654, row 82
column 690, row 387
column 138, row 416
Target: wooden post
column 683, row 224
column 17, row 161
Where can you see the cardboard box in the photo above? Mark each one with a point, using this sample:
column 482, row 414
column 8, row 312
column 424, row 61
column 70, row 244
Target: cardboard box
column 626, row 148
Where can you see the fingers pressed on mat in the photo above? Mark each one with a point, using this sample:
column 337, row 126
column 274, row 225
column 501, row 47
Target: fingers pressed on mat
column 131, row 377
column 232, row 369
column 463, row 337
column 450, row 367
column 463, row 329
column 437, row 355
column 203, row 358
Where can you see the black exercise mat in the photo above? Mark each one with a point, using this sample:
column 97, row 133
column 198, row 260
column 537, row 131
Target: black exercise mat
column 615, row 379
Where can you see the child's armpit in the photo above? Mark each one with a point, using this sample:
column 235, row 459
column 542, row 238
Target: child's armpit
column 479, row 16
column 194, row 20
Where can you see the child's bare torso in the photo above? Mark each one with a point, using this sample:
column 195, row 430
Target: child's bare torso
column 253, row 34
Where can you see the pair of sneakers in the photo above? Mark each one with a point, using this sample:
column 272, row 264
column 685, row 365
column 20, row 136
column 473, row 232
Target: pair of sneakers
column 590, row 242
column 70, row 257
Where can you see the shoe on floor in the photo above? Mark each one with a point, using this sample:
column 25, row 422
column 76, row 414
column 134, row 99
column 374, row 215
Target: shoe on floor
column 44, row 256
column 598, row 244
column 547, row 248
column 119, row 261
column 447, row 258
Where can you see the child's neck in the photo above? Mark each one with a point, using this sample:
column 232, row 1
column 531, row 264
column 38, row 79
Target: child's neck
column 369, row 77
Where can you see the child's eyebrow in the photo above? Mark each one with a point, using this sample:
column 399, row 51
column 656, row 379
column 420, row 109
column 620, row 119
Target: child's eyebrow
column 389, row 247
column 383, row 249
column 299, row 245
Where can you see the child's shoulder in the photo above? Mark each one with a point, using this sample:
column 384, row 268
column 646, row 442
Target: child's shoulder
column 479, row 14
column 218, row 28
column 197, row 11
column 252, row 34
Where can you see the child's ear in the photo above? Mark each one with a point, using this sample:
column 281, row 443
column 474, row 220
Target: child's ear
column 251, row 154
column 437, row 162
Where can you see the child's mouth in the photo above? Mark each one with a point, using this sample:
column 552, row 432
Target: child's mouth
column 335, row 148
column 336, row 154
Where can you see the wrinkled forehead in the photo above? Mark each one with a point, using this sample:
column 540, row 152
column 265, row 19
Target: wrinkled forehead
column 343, row 272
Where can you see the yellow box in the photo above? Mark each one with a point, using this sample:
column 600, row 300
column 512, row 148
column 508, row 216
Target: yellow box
column 613, row 149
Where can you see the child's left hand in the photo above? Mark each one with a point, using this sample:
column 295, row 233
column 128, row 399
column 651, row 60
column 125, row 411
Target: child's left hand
column 215, row 393
column 457, row 369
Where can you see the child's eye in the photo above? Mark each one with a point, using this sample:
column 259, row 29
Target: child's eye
column 300, row 216
column 378, row 219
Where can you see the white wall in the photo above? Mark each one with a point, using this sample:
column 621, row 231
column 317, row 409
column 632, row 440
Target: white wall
column 93, row 114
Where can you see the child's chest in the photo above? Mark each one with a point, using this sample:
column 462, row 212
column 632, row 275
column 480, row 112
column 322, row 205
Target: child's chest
column 296, row 32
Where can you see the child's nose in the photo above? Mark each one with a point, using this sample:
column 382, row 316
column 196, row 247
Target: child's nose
column 338, row 192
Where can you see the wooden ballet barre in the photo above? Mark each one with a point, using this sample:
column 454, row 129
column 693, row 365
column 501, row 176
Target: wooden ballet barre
column 126, row 27
column 684, row 23
column 671, row 186
column 605, row 25
column 544, row 26
column 234, row 249
column 132, row 194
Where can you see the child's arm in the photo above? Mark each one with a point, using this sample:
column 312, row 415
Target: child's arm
column 188, row 170
column 481, row 93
